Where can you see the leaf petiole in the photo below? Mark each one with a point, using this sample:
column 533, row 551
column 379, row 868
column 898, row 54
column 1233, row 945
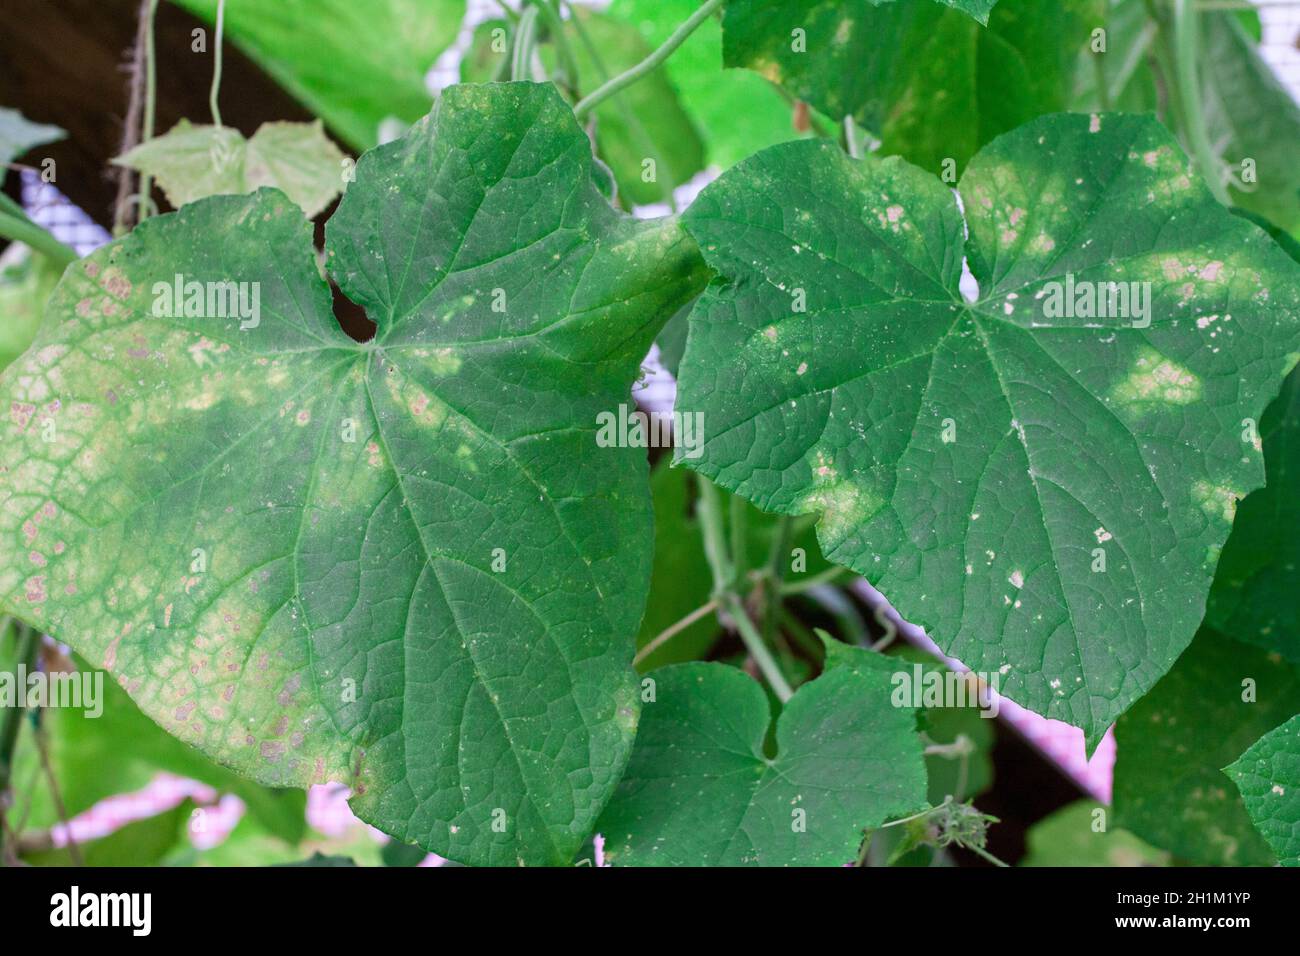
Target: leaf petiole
column 25, row 231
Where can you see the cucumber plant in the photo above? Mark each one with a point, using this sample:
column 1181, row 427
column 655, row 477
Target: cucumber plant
column 997, row 317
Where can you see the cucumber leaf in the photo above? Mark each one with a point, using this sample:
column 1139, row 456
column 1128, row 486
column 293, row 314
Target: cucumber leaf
column 700, row 791
column 309, row 556
column 1219, row 698
column 18, row 135
column 1268, row 776
column 352, row 64
column 1068, row 837
column 1026, row 486
column 194, row 162
column 927, row 79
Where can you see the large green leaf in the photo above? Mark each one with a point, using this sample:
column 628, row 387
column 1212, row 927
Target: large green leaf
column 643, row 123
column 1255, row 584
column 700, row 791
column 925, row 78
column 1169, row 788
column 353, row 64
column 1268, row 776
column 1074, row 441
column 735, row 111
column 404, row 563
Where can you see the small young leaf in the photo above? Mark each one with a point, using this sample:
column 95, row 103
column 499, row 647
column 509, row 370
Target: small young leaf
column 1071, row 837
column 1268, row 776
column 405, row 564
column 194, row 162
column 700, row 791
column 353, row 64
column 18, row 135
column 1018, row 473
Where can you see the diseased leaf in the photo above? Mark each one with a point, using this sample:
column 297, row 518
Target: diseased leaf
column 700, row 791
column 1169, row 788
column 404, row 564
column 924, row 77
column 353, row 64
column 194, row 162
column 1268, row 776
column 1045, row 489
column 1069, row 837
column 18, row 135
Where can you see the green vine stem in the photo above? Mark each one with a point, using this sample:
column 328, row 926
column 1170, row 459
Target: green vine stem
column 216, row 63
column 709, row 509
column 673, row 630
column 150, row 105
column 758, row 649
column 29, row 643
column 550, row 12
column 1187, row 49
column 521, row 62
column 669, row 46
column 626, row 112
column 21, row 229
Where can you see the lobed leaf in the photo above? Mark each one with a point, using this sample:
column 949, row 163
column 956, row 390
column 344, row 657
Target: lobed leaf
column 194, row 162
column 353, row 64
column 404, row 563
column 700, row 790
column 1048, row 495
column 1268, row 776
